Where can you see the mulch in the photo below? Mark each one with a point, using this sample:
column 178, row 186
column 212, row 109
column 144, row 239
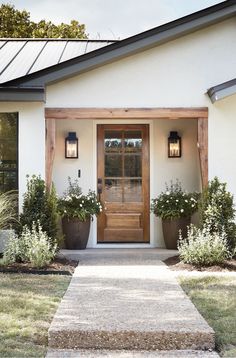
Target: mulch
column 175, row 265
column 60, row 266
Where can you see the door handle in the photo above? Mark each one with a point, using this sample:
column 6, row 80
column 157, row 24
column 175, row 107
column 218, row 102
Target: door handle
column 99, row 186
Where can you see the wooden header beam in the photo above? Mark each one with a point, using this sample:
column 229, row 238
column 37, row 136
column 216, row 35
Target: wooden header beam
column 125, row 113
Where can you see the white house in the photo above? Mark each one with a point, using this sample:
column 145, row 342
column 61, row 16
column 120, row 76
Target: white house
column 122, row 99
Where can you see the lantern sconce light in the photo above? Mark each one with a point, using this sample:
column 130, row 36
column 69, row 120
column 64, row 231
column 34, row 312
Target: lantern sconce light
column 71, row 146
column 174, row 145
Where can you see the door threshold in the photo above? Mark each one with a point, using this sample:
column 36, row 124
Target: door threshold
column 122, row 246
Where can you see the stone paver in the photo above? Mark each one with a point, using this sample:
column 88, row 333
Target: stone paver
column 127, row 299
column 61, row 353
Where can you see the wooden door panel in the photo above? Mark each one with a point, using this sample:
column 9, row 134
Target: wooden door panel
column 121, row 220
column 123, row 170
column 123, row 235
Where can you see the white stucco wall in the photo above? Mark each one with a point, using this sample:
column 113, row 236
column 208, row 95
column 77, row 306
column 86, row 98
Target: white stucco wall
column 31, row 154
column 176, row 74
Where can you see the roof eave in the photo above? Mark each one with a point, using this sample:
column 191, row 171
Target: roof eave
column 222, row 91
column 22, row 94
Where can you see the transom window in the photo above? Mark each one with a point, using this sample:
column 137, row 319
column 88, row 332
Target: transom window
column 8, row 151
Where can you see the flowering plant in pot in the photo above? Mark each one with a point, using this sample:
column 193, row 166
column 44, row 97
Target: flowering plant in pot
column 77, row 211
column 175, row 207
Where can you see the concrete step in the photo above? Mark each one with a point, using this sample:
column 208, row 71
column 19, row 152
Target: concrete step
column 132, row 303
column 62, row 353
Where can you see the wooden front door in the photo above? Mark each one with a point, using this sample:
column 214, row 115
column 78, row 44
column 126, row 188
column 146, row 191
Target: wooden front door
column 123, row 183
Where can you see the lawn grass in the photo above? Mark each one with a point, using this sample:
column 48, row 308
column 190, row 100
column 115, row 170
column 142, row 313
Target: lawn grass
column 27, row 306
column 215, row 299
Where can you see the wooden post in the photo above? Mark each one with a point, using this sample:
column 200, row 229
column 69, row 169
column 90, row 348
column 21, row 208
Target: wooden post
column 50, row 149
column 203, row 149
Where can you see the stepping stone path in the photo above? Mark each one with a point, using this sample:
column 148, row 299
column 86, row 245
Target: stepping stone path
column 127, row 303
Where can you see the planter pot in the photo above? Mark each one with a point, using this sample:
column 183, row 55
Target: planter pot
column 171, row 229
column 76, row 233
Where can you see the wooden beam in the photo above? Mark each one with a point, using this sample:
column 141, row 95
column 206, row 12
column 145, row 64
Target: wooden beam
column 50, row 149
column 203, row 149
column 125, row 113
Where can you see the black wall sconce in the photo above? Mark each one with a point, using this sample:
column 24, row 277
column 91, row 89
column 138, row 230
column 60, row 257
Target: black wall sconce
column 71, row 146
column 174, row 145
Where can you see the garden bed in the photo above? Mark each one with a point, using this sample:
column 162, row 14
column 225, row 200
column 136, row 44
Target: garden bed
column 175, row 265
column 60, row 266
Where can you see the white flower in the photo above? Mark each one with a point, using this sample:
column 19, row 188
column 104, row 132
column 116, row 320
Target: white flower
column 81, row 205
column 186, row 201
column 193, row 206
column 167, row 193
column 192, row 199
column 167, row 201
column 177, row 200
column 82, row 201
column 182, row 210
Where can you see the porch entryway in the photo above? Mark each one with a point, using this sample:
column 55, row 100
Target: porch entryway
column 123, row 183
column 127, row 175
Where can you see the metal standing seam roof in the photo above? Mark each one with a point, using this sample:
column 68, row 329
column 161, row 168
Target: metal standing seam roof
column 21, row 57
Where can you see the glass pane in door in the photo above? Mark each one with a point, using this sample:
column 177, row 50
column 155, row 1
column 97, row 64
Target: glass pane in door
column 132, row 165
column 113, row 190
column 123, row 165
column 133, row 190
column 113, row 165
column 133, row 141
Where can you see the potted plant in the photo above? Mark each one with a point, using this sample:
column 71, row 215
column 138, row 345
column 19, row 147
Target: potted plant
column 77, row 210
column 175, row 207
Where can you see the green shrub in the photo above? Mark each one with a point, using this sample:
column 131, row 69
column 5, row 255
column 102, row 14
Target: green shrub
column 203, row 248
column 8, row 209
column 39, row 250
column 174, row 202
column 216, row 209
column 40, row 205
column 32, row 246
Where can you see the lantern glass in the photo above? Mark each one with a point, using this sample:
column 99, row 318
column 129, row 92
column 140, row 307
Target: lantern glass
column 174, row 145
column 71, row 146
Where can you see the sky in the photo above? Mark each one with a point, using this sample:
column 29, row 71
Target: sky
column 112, row 19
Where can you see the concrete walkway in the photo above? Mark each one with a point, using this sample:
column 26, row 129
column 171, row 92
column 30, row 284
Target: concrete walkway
column 127, row 300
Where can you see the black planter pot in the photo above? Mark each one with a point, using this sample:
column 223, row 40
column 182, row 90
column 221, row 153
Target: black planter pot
column 171, row 228
column 76, row 233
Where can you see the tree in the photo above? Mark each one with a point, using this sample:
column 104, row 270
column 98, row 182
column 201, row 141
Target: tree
column 17, row 24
